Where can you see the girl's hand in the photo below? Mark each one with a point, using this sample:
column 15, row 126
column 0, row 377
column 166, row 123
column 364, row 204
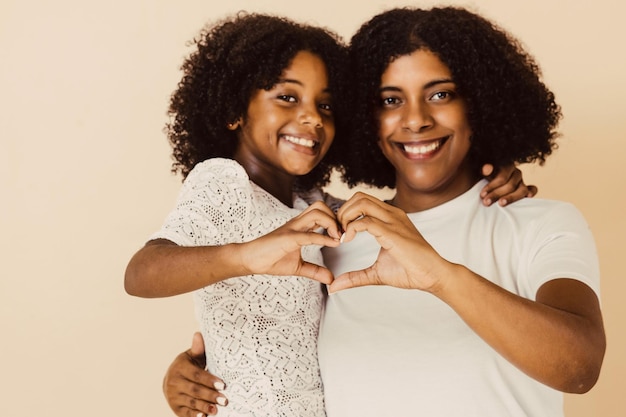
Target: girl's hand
column 188, row 388
column 405, row 259
column 278, row 252
column 505, row 186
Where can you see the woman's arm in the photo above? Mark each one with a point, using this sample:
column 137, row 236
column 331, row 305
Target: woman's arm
column 161, row 268
column 558, row 339
column 563, row 327
column 188, row 388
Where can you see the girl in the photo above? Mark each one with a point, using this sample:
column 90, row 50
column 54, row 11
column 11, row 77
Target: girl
column 253, row 117
column 245, row 140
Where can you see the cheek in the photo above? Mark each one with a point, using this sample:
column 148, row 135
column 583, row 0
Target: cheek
column 388, row 124
column 329, row 133
column 385, row 149
column 458, row 120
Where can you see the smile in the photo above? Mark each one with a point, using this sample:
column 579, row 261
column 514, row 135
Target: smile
column 422, row 149
column 309, row 143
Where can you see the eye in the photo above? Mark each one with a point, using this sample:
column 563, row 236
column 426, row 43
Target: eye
column 326, row 107
column 442, row 95
column 389, row 101
column 288, row 98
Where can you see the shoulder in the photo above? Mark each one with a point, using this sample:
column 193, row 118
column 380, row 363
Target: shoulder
column 543, row 224
column 544, row 211
column 216, row 168
column 216, row 179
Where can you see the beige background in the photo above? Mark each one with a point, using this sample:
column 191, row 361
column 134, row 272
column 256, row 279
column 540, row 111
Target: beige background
column 84, row 179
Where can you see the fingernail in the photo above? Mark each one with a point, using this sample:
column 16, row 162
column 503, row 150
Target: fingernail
column 219, row 385
column 221, row 401
column 200, row 415
column 488, row 201
column 343, row 235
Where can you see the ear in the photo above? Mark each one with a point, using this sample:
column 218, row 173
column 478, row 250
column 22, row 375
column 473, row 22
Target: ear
column 234, row 125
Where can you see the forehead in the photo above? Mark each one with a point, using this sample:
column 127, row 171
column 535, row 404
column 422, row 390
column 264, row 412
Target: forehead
column 420, row 66
column 306, row 67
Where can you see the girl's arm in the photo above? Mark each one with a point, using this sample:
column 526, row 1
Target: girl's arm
column 558, row 339
column 505, row 186
column 161, row 268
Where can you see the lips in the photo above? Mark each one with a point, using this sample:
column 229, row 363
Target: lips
column 301, row 141
column 422, row 149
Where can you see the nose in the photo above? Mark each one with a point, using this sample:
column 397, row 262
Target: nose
column 417, row 116
column 310, row 116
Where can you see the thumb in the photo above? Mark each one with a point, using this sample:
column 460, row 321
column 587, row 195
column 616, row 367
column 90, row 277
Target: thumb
column 315, row 272
column 351, row 279
column 488, row 170
column 197, row 345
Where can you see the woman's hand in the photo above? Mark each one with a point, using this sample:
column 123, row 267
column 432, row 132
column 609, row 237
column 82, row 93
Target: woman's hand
column 506, row 185
column 405, row 260
column 188, row 388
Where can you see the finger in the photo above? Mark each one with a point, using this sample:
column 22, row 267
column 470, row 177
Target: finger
column 208, row 407
column 191, row 372
column 521, row 192
column 512, row 190
column 197, row 345
column 210, row 410
column 314, row 238
column 359, row 208
column 314, row 219
column 369, row 224
column 183, row 394
column 353, row 279
column 487, row 170
column 315, row 272
column 196, row 408
column 351, row 203
column 200, row 398
column 497, row 178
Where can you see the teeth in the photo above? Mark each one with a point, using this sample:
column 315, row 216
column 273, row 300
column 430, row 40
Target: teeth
column 422, row 149
column 300, row 141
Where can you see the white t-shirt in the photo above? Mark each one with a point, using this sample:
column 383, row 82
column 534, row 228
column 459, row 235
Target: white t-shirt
column 260, row 331
column 391, row 352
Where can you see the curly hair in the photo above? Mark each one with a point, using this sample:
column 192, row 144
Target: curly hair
column 234, row 57
column 512, row 114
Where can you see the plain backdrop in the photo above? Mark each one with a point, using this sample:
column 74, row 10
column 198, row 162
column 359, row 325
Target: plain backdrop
column 85, row 179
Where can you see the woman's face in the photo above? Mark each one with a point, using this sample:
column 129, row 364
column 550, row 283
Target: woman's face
column 424, row 131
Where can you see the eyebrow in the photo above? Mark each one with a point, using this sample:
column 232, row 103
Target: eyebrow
column 429, row 84
column 288, row 80
column 292, row 81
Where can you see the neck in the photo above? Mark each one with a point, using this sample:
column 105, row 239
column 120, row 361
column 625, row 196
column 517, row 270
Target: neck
column 411, row 200
column 278, row 184
column 280, row 189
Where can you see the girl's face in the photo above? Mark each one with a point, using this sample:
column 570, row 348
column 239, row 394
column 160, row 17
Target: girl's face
column 289, row 128
column 423, row 131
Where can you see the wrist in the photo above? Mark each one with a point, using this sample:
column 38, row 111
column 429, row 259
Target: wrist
column 235, row 255
column 445, row 277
